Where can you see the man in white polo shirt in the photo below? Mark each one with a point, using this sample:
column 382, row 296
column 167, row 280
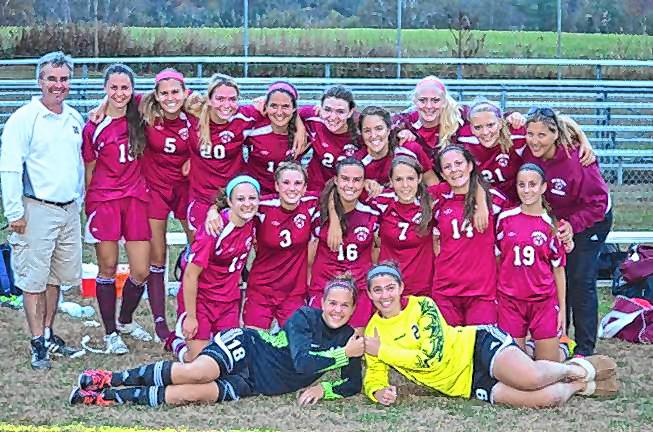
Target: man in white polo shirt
column 42, row 174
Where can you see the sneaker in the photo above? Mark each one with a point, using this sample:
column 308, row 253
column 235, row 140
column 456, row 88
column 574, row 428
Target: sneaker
column 57, row 346
column 40, row 358
column 87, row 397
column 94, row 380
column 134, row 330
column 115, row 345
column 12, row 301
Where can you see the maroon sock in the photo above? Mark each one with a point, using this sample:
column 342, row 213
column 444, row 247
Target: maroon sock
column 131, row 296
column 105, row 291
column 156, row 295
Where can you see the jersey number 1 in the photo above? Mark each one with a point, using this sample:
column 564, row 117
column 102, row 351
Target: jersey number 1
column 525, row 256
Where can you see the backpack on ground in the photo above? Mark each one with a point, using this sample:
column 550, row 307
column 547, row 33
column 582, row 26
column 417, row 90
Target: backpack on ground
column 631, row 319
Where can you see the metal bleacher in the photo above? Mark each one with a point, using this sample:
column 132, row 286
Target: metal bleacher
column 617, row 115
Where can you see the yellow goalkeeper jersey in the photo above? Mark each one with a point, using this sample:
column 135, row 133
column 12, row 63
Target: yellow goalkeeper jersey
column 420, row 345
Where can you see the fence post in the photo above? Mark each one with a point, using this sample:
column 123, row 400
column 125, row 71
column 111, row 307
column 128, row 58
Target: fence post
column 598, row 73
column 327, row 70
column 502, row 101
column 620, row 172
column 199, row 70
column 459, row 71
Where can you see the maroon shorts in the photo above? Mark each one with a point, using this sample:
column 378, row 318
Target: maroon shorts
column 164, row 201
column 260, row 309
column 362, row 314
column 461, row 311
column 124, row 218
column 212, row 317
column 196, row 214
column 519, row 317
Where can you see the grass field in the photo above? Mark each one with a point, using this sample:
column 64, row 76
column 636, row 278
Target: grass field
column 31, row 398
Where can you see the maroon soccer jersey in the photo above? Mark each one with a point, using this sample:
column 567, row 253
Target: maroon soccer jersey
column 466, row 264
column 428, row 138
column 117, row 174
column 212, row 166
column 379, row 169
column 166, row 151
column 328, row 148
column 400, row 241
column 529, row 251
column 353, row 255
column 282, row 236
column 222, row 259
column 266, row 150
column 576, row 193
column 497, row 168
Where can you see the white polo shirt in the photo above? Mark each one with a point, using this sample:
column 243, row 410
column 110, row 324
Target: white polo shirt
column 40, row 155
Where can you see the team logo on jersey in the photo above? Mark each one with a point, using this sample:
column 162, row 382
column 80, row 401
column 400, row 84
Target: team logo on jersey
column 559, row 186
column 183, row 133
column 502, row 159
column 448, row 211
column 299, row 221
column 265, row 152
column 226, row 137
column 349, row 150
column 539, row 238
column 417, row 218
column 361, row 233
column 275, row 223
column 75, row 130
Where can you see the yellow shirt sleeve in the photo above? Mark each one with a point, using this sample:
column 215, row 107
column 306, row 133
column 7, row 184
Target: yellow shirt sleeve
column 428, row 331
column 376, row 376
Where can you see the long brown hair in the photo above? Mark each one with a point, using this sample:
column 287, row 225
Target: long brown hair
column 135, row 124
column 475, row 180
column 330, row 191
column 569, row 132
column 342, row 92
column 292, row 127
column 425, row 200
column 373, row 110
column 545, row 203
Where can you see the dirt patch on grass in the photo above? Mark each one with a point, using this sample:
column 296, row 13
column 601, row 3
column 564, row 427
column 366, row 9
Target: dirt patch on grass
column 40, row 398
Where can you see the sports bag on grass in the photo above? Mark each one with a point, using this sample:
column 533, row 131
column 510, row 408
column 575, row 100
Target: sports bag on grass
column 639, row 264
column 631, row 319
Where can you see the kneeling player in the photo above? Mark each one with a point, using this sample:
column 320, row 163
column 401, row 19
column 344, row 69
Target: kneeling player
column 247, row 362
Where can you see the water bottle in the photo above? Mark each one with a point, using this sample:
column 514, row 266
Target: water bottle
column 72, row 309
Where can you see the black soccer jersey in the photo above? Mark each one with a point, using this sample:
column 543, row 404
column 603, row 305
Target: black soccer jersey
column 301, row 353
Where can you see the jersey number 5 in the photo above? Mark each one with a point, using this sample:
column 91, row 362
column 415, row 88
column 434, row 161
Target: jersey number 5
column 170, row 145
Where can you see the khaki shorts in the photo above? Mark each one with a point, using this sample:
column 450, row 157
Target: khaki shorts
column 50, row 250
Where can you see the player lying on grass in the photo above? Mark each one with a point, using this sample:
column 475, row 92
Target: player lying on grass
column 479, row 362
column 247, row 362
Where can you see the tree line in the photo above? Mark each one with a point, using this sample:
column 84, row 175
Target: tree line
column 584, row 16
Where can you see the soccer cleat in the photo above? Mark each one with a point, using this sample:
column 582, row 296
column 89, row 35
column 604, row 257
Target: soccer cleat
column 134, row 330
column 12, row 301
column 87, row 397
column 57, row 346
column 40, row 358
column 115, row 345
column 567, row 347
column 94, row 380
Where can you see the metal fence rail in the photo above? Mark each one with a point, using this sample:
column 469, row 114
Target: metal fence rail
column 328, row 62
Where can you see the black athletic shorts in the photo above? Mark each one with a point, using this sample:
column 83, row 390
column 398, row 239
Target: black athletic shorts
column 229, row 350
column 490, row 340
